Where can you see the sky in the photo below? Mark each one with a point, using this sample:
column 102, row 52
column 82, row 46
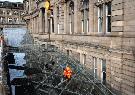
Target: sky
column 13, row 0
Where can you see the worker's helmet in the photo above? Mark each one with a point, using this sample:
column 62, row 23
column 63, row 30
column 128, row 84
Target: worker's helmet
column 68, row 68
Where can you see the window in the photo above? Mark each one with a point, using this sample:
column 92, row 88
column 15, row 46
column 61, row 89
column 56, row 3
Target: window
column 68, row 52
column 103, row 71
column 71, row 17
column 95, row 66
column 52, row 22
column 4, row 12
column 17, row 20
column 100, row 0
column 0, row 19
column 87, row 25
column 58, row 20
column 8, row 12
column 0, row 78
column 0, row 66
column 100, row 18
column 3, row 19
column 10, row 20
column 1, row 12
column 14, row 5
column 84, row 59
column 15, row 13
column 108, row 17
column 52, row 25
column 58, row 28
column 43, row 19
column 104, row 15
column 82, row 26
column 70, row 24
column 1, row 4
column 85, row 16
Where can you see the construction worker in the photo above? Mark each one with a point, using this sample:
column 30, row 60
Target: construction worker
column 67, row 72
column 1, row 39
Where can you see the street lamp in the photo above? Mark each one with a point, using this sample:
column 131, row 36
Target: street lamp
column 47, row 7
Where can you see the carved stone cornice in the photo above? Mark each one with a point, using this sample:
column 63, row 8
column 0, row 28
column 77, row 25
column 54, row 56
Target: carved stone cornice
column 101, row 2
column 36, row 13
column 107, row 1
column 32, row 14
column 63, row 1
column 26, row 17
column 39, row 1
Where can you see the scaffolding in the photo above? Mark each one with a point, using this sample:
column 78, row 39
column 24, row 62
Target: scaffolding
column 51, row 80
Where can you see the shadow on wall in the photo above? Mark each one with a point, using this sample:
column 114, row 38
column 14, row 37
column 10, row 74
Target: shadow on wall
column 133, row 50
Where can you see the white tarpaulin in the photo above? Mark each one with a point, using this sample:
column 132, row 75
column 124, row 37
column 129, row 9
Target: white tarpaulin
column 14, row 36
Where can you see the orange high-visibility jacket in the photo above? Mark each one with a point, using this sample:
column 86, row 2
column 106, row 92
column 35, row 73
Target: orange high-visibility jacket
column 67, row 72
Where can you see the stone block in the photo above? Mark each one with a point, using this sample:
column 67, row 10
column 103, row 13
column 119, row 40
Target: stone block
column 117, row 28
column 117, row 12
column 118, row 23
column 117, row 7
column 117, row 18
column 114, row 2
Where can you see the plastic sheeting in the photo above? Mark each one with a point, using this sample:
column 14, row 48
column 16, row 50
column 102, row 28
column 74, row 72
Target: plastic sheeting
column 14, row 36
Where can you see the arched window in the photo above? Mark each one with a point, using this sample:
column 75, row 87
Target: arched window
column 85, row 15
column 1, row 12
column 71, row 17
column 10, row 20
column 15, row 13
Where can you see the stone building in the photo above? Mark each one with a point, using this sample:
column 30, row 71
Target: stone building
column 10, row 14
column 98, row 33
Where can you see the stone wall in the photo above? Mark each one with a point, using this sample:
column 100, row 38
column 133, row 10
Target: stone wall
column 116, row 47
column 11, row 15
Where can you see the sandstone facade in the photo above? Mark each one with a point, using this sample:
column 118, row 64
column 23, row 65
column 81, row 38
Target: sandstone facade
column 11, row 14
column 98, row 33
